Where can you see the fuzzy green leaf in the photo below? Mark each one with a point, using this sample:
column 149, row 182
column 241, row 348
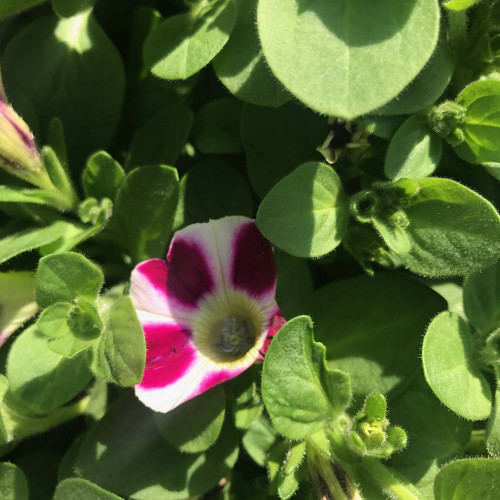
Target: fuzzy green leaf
column 414, row 151
column 40, row 378
column 468, row 478
column 195, row 425
column 348, row 57
column 455, row 378
column 306, row 213
column 66, row 276
column 120, row 355
column 144, row 211
column 300, row 393
column 240, row 65
column 13, row 483
column 183, row 44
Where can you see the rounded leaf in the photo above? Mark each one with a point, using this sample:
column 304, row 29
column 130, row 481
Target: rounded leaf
column 306, row 213
column 452, row 230
column 450, row 369
column 183, row 44
column 414, row 151
column 300, row 393
column 195, row 425
column 240, row 66
column 426, row 88
column 468, row 478
column 40, row 378
column 348, row 57
column 63, row 277
column 482, row 123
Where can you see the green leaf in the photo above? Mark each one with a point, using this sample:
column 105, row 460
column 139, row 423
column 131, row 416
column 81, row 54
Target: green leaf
column 259, row 439
column 17, row 301
column 80, row 489
column 11, row 7
column 59, row 176
column 66, row 276
column 40, row 378
column 375, row 338
column 482, row 298
column 85, row 79
column 277, row 141
column 69, row 8
column 306, row 213
column 286, row 467
column 149, row 146
column 393, row 235
column 195, row 425
column 344, row 58
column 74, row 235
column 455, row 378
column 460, row 4
column 468, row 478
column 13, row 484
column 414, row 151
column 144, row 211
column 72, row 328
column 32, row 238
column 120, row 355
column 430, row 446
column 294, row 285
column 493, row 428
column 240, row 65
column 300, row 393
column 380, row 126
column 427, row 87
column 482, row 114
column 212, row 190
column 216, row 127
column 102, row 176
column 137, row 466
column 183, row 44
column 15, row 194
column 452, row 230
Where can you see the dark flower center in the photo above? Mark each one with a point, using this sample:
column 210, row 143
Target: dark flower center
column 234, row 336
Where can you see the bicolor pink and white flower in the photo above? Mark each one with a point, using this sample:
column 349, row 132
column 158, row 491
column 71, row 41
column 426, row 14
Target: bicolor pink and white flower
column 208, row 311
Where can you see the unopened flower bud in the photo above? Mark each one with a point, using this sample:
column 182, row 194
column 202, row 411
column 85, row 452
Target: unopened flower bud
column 18, row 152
column 447, row 121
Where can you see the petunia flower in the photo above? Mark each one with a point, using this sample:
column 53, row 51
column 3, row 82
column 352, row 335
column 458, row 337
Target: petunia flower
column 208, row 311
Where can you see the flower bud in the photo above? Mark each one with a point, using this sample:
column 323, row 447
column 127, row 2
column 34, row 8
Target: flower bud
column 18, row 153
column 372, row 434
column 447, row 121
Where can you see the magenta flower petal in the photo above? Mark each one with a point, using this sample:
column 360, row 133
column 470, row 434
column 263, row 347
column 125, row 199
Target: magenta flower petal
column 169, row 354
column 276, row 321
column 173, row 288
column 208, row 310
column 253, row 268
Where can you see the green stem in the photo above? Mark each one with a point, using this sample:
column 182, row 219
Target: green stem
column 457, row 28
column 20, row 426
column 11, row 7
column 388, row 482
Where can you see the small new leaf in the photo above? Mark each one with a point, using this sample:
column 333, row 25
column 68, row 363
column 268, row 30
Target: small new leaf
column 120, row 354
column 63, row 277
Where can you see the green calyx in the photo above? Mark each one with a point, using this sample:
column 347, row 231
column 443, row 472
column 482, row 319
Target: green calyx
column 385, row 201
column 372, row 434
column 489, row 355
column 447, row 120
